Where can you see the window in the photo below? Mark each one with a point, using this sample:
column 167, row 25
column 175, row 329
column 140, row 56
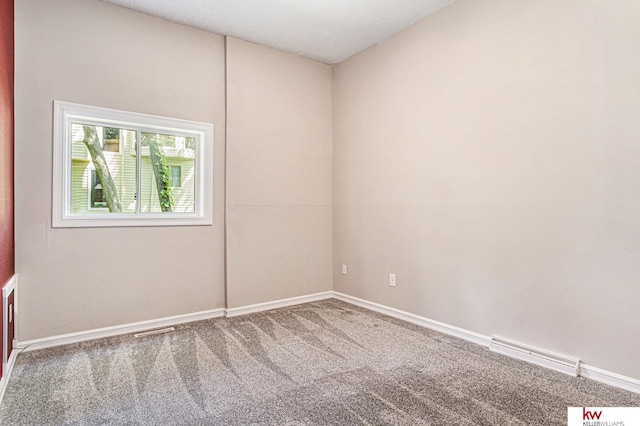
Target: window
column 117, row 168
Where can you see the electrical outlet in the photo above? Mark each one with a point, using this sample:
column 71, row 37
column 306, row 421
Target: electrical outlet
column 344, row 269
column 392, row 280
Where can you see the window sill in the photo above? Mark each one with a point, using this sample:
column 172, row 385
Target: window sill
column 127, row 220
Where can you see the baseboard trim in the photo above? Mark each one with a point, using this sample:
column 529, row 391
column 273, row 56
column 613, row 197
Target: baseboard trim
column 7, row 361
column 8, row 368
column 99, row 333
column 416, row 319
column 584, row 370
column 282, row 303
column 609, row 378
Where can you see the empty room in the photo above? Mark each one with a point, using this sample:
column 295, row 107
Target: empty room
column 294, row 212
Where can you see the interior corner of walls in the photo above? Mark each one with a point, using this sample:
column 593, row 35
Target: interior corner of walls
column 284, row 203
column 276, row 304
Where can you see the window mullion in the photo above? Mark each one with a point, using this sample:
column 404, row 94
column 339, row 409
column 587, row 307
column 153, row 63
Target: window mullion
column 138, row 164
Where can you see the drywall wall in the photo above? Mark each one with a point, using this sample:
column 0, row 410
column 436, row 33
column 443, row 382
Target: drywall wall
column 279, row 175
column 94, row 53
column 489, row 156
column 6, row 142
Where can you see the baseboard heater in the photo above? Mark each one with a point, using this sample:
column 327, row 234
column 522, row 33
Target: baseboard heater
column 152, row 332
column 554, row 361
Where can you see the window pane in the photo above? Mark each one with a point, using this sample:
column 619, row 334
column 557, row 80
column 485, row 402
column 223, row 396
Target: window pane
column 103, row 180
column 167, row 174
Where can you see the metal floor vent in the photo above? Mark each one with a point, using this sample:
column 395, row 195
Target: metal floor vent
column 541, row 357
column 152, row 332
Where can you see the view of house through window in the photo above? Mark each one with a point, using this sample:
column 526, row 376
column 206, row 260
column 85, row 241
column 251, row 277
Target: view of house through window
column 104, row 174
column 121, row 165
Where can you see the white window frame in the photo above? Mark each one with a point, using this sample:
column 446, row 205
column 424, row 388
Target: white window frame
column 65, row 113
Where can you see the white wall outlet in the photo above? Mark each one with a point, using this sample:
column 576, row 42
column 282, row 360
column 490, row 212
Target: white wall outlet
column 344, row 269
column 392, row 280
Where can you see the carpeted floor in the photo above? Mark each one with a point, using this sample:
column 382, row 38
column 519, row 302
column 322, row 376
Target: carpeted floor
column 319, row 363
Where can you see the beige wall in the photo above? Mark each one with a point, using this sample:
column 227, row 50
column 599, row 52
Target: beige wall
column 485, row 155
column 488, row 156
column 279, row 175
column 90, row 52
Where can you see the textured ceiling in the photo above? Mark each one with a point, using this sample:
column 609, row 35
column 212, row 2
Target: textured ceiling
column 328, row 31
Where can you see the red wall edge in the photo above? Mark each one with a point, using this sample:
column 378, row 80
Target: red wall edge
column 7, row 242
column 7, row 245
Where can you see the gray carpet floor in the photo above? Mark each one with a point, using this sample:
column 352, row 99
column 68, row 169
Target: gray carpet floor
column 314, row 364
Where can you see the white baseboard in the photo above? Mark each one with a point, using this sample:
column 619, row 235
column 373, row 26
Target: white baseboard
column 416, row 319
column 66, row 339
column 283, row 303
column 584, row 370
column 587, row 371
column 11, row 286
column 99, row 333
column 610, row 378
column 8, row 368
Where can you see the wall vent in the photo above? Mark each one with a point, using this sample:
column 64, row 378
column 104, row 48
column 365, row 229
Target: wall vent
column 541, row 357
column 152, row 332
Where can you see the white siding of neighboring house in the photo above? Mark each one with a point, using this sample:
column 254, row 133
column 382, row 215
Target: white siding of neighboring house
column 80, row 187
column 182, row 196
